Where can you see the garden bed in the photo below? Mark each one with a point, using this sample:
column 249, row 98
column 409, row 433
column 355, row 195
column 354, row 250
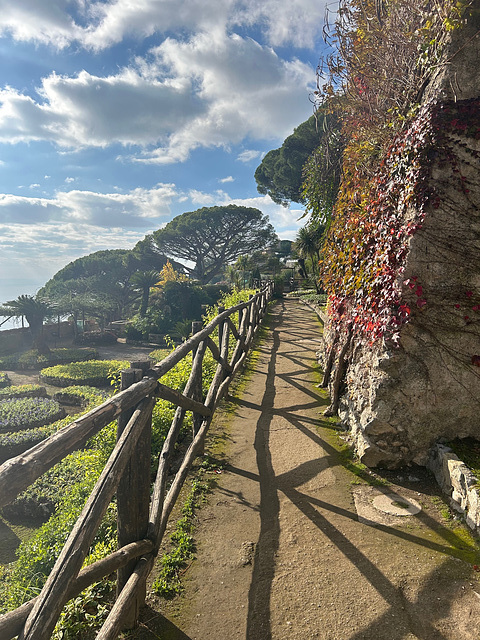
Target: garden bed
column 21, row 414
column 80, row 396
column 34, row 360
column 23, row 391
column 94, row 373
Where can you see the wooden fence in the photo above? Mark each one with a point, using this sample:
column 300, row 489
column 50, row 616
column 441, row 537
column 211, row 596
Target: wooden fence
column 142, row 514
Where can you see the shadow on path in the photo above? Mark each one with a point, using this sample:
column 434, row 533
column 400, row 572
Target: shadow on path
column 415, row 617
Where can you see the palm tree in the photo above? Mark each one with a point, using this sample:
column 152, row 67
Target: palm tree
column 144, row 281
column 35, row 311
column 308, row 243
column 243, row 264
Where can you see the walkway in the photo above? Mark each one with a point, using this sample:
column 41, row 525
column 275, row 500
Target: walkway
column 290, row 547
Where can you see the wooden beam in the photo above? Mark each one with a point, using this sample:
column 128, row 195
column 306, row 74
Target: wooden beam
column 11, row 624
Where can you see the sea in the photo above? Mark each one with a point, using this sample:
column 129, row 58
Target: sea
column 11, row 289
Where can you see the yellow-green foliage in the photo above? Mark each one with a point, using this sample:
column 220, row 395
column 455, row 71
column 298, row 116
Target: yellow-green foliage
column 94, row 372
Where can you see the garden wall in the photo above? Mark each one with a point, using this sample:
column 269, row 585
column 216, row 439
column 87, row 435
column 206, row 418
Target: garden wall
column 399, row 399
column 13, row 340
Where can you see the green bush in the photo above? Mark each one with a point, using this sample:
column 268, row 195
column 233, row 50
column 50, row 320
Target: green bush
column 318, row 299
column 23, row 391
column 34, row 360
column 93, row 373
column 64, row 490
column 4, row 380
column 95, row 338
column 27, row 413
column 154, row 321
column 37, row 556
column 157, row 355
column 80, row 396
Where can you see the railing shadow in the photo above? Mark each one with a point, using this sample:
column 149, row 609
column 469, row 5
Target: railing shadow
column 414, row 614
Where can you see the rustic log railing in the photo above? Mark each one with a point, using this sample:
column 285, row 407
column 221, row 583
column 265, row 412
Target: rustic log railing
column 142, row 515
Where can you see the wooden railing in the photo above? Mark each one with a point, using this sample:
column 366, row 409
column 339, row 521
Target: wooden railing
column 142, row 514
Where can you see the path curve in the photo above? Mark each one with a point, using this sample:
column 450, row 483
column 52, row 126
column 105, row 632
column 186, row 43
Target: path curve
column 282, row 551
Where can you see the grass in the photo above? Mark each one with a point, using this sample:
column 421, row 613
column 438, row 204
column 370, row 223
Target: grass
column 468, row 450
column 173, row 564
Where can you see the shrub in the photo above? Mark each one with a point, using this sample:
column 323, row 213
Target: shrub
column 27, row 413
column 4, row 380
column 80, row 396
column 157, row 355
column 64, row 490
column 37, row 556
column 13, row 444
column 23, row 391
column 94, row 373
column 33, row 360
column 314, row 298
column 96, row 338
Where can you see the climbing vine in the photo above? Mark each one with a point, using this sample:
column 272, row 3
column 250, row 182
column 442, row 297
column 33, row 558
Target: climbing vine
column 385, row 53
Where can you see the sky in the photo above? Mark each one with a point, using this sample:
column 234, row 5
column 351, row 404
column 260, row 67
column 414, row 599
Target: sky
column 118, row 115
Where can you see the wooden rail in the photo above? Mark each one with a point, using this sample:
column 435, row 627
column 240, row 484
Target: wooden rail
column 141, row 525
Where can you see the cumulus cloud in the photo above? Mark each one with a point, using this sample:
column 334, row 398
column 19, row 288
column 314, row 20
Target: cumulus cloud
column 245, row 88
column 88, row 110
column 98, row 25
column 204, row 92
column 227, row 179
column 139, row 208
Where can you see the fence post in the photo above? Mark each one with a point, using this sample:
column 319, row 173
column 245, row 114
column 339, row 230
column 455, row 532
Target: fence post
column 197, row 387
column 133, row 494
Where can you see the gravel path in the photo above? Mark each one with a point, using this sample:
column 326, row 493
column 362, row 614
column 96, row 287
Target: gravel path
column 290, row 545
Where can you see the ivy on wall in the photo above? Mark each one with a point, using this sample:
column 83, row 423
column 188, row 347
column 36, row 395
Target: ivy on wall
column 364, row 257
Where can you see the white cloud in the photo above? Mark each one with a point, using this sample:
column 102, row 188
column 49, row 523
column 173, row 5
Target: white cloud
column 97, row 24
column 68, row 180
column 34, row 253
column 212, row 90
column 88, row 110
column 34, row 185
column 285, row 220
column 227, row 179
column 136, row 209
column 246, row 91
column 248, row 155
column 41, row 22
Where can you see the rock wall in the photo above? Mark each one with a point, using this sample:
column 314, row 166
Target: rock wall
column 398, row 401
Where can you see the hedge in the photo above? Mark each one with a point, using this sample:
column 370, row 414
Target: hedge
column 80, row 396
column 34, row 360
column 94, row 373
column 23, row 391
column 17, row 414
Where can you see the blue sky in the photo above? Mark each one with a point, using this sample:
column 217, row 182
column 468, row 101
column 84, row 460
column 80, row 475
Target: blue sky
column 116, row 116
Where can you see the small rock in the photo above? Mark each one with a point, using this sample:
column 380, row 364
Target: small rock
column 247, row 553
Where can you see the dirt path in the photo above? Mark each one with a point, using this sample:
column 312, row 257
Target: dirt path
column 290, row 545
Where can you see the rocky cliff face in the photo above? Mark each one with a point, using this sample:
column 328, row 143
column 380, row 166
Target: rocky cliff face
column 399, row 399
